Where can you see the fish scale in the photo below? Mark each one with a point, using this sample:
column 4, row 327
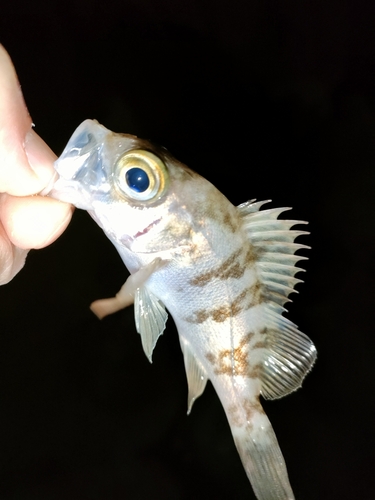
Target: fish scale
column 224, row 273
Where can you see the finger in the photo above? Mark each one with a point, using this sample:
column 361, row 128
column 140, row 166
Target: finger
column 12, row 259
column 34, row 221
column 26, row 162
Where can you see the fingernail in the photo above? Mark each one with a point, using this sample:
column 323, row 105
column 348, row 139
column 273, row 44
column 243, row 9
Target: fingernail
column 40, row 157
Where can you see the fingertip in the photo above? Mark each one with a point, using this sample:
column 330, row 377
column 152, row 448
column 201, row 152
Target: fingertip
column 12, row 259
column 40, row 157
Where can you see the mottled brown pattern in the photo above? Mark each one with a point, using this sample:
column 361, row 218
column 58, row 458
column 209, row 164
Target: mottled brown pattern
column 251, row 256
column 220, row 314
column 215, row 205
column 260, row 345
column 249, row 408
column 269, row 331
column 234, row 416
column 200, row 316
column 252, row 407
column 210, row 358
column 255, row 371
column 173, row 231
column 232, row 222
column 233, row 267
column 256, row 294
column 248, row 298
column 219, row 209
column 232, row 361
column 230, row 268
column 252, row 296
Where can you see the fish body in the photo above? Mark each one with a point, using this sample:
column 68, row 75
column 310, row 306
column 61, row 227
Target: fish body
column 224, row 273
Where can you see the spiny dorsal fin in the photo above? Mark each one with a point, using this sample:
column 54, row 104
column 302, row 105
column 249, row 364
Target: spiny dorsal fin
column 150, row 318
column 289, row 354
column 274, row 245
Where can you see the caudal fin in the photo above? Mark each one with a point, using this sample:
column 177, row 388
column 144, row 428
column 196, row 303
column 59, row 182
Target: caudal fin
column 263, row 461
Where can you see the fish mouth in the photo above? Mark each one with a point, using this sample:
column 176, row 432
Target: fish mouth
column 146, row 229
column 80, row 170
column 69, row 192
column 128, row 240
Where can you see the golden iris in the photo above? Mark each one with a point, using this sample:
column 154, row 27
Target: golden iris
column 141, row 175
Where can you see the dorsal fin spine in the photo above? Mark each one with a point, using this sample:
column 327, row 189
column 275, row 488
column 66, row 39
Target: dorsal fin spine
column 289, row 354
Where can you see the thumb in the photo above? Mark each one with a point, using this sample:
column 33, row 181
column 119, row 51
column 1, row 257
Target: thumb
column 26, row 162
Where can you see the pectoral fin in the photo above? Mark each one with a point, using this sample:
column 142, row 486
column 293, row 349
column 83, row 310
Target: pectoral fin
column 125, row 297
column 149, row 311
column 150, row 319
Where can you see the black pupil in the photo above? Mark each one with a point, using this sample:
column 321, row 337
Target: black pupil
column 137, row 179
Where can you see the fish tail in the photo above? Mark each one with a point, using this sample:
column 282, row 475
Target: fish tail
column 262, row 459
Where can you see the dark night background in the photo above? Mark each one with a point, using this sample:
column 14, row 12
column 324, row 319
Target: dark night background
column 266, row 99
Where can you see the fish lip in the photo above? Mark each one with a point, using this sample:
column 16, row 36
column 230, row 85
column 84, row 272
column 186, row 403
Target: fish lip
column 146, row 229
column 69, row 192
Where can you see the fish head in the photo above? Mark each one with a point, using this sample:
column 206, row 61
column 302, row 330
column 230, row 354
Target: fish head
column 139, row 194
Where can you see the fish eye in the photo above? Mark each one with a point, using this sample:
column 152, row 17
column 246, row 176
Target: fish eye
column 137, row 179
column 141, row 175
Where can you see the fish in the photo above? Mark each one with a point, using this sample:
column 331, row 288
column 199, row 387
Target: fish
column 223, row 273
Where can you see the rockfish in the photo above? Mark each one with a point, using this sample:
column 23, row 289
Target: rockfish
column 223, row 272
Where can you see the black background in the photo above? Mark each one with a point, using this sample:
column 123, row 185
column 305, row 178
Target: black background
column 268, row 100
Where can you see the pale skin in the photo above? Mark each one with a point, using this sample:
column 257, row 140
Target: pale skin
column 27, row 219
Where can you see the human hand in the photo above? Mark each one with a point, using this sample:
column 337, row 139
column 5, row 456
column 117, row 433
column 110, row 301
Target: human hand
column 26, row 168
